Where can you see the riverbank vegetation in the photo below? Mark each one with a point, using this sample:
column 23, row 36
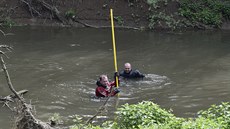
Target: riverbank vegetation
column 207, row 12
column 148, row 115
column 202, row 14
column 136, row 14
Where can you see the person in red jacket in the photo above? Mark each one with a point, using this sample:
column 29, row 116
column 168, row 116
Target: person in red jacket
column 105, row 88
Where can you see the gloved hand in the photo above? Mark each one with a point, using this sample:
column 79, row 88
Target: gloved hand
column 116, row 74
column 117, row 90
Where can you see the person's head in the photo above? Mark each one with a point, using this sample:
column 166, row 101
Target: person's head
column 127, row 67
column 104, row 79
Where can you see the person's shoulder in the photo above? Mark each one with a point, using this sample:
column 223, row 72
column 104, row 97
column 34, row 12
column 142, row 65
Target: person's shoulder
column 136, row 71
column 121, row 72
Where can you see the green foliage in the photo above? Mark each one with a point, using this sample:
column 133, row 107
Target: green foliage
column 172, row 124
column 56, row 118
column 85, row 127
column 158, row 16
column 162, row 18
column 219, row 113
column 226, row 9
column 208, row 12
column 200, row 13
column 70, row 13
column 110, row 125
column 119, row 20
column 155, row 3
column 145, row 113
column 8, row 22
column 78, row 123
column 201, row 123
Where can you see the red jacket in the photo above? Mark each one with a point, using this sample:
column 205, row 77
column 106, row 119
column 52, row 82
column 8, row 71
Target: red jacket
column 103, row 91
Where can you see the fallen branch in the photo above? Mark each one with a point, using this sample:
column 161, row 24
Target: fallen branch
column 6, row 104
column 10, row 98
column 5, row 99
column 9, row 81
column 100, row 27
column 26, row 119
column 5, row 34
column 84, row 24
column 31, row 9
column 99, row 111
column 54, row 11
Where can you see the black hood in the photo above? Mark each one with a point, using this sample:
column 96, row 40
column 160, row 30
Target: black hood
column 99, row 84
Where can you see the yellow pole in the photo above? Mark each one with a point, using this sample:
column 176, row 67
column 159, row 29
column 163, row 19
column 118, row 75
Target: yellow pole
column 114, row 45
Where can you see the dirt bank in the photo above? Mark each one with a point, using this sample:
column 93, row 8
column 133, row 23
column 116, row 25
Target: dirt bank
column 84, row 12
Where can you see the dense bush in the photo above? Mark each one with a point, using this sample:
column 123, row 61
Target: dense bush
column 147, row 115
column 190, row 13
column 155, row 3
column 219, row 113
column 208, row 12
column 159, row 17
column 201, row 123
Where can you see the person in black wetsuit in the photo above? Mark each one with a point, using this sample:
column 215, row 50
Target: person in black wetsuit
column 128, row 73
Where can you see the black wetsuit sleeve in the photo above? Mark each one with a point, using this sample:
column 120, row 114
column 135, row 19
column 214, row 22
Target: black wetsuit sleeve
column 139, row 74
